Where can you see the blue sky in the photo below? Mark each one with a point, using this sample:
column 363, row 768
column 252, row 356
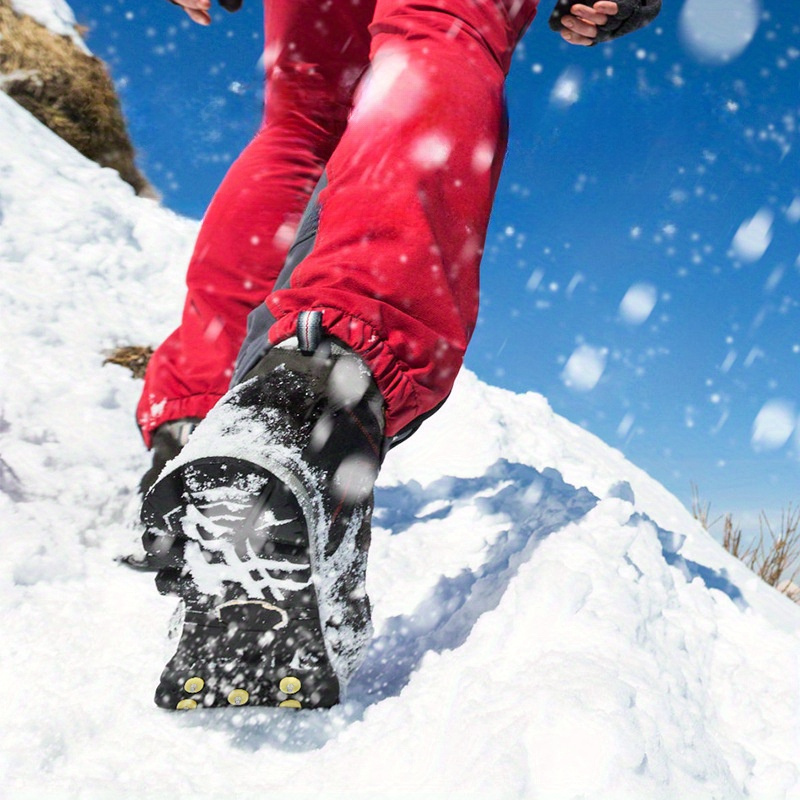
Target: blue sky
column 649, row 167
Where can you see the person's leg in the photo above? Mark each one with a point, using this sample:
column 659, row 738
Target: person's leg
column 262, row 523
column 403, row 218
column 316, row 52
column 262, row 526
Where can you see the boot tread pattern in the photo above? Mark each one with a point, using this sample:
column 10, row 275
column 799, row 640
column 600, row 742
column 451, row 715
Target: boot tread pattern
column 251, row 628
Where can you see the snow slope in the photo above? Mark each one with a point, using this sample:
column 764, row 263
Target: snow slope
column 551, row 623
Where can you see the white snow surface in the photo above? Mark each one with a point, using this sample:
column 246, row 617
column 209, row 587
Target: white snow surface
column 56, row 15
column 550, row 622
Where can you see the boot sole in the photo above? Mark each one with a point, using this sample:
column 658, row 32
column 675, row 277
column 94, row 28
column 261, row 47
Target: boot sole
column 255, row 637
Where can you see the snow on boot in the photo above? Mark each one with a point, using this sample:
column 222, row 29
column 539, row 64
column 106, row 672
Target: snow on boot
column 269, row 505
column 168, row 440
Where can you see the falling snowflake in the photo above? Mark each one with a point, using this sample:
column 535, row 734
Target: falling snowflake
column 584, row 368
column 773, row 425
column 717, row 31
column 638, row 303
column 754, row 236
column 567, row 89
column 431, row 151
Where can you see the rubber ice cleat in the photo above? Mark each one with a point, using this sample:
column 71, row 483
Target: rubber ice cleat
column 290, row 685
column 235, row 640
column 238, row 697
column 290, row 704
column 186, row 705
column 250, row 644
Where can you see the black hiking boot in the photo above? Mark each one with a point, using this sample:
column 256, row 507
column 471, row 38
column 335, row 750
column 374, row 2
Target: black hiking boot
column 266, row 540
column 168, row 440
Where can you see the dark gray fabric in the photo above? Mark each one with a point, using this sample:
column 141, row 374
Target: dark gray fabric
column 305, row 237
column 255, row 345
column 260, row 320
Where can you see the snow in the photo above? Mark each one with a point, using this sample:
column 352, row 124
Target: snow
column 774, row 425
column 754, row 236
column 638, row 303
column 550, row 622
column 584, row 368
column 567, row 88
column 535, row 280
column 390, row 76
column 56, row 15
column 431, row 151
column 717, row 31
column 483, row 158
column 793, row 211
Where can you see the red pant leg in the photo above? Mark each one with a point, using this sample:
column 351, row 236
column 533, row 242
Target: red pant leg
column 403, row 220
column 316, row 51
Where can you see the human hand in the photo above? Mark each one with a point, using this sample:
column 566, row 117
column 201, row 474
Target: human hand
column 589, row 23
column 580, row 25
column 198, row 10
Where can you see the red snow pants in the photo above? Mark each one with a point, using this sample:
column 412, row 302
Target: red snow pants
column 412, row 154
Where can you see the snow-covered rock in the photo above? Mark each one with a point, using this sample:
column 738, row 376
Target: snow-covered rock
column 55, row 15
column 550, row 621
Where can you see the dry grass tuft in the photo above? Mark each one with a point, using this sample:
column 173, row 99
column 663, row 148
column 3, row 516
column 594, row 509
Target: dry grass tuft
column 778, row 553
column 67, row 90
column 774, row 556
column 134, row 357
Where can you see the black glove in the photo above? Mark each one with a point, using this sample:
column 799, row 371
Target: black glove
column 631, row 15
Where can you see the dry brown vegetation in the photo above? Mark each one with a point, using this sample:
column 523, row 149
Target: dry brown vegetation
column 68, row 90
column 774, row 556
column 134, row 357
